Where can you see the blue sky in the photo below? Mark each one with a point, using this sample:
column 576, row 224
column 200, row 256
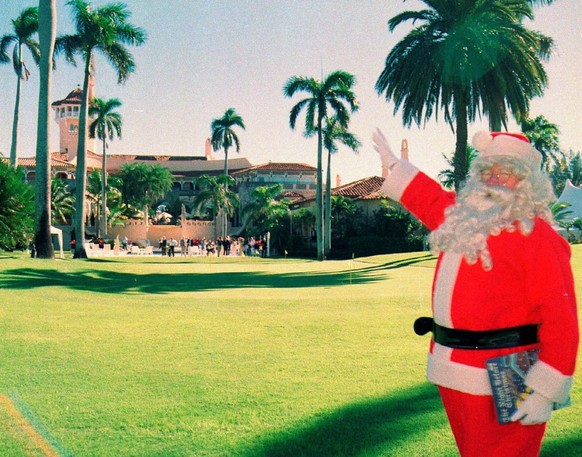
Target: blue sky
column 203, row 57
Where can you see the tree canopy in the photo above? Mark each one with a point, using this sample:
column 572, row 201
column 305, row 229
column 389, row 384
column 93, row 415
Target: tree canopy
column 467, row 58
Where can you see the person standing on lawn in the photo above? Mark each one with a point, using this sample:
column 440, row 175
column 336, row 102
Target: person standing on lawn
column 503, row 284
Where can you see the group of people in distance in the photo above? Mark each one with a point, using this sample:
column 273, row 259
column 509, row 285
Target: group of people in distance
column 219, row 247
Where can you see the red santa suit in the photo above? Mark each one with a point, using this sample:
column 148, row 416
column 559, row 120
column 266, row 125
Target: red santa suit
column 530, row 282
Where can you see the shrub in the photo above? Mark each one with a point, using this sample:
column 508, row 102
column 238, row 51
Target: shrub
column 16, row 209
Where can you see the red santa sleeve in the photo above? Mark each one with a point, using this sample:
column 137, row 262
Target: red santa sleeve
column 550, row 286
column 421, row 195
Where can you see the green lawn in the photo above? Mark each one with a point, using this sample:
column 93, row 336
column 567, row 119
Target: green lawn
column 237, row 357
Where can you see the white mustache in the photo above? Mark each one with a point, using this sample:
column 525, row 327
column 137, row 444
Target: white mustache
column 486, row 197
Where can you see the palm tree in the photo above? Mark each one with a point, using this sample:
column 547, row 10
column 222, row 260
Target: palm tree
column 106, row 124
column 266, row 208
column 467, row 57
column 215, row 196
column 324, row 98
column 93, row 199
column 62, row 202
column 447, row 176
column 223, row 136
column 544, row 136
column 333, row 133
column 25, row 27
column 117, row 210
column 106, row 30
column 47, row 34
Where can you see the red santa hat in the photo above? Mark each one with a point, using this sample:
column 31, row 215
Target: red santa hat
column 514, row 145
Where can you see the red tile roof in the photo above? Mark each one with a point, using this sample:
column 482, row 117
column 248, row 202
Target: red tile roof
column 74, row 98
column 293, row 197
column 30, row 162
column 365, row 189
column 278, row 166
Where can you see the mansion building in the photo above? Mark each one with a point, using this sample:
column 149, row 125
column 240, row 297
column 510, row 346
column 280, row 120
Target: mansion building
column 298, row 179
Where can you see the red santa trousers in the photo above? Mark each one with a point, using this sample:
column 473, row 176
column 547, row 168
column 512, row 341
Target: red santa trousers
column 478, row 433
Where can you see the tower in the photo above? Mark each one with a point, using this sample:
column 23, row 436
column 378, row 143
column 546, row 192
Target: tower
column 67, row 116
column 67, row 113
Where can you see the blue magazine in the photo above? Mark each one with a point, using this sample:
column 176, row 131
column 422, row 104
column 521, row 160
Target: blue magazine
column 507, row 378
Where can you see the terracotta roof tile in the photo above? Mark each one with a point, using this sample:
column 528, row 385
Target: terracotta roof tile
column 293, row 197
column 363, row 189
column 30, row 162
column 366, row 189
column 278, row 166
column 74, row 98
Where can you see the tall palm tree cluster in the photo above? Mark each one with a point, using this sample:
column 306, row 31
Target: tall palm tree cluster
column 462, row 59
column 328, row 105
column 103, row 30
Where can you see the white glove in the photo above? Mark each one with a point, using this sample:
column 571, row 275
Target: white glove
column 381, row 146
column 535, row 409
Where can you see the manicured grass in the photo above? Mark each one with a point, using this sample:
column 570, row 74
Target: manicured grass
column 236, row 357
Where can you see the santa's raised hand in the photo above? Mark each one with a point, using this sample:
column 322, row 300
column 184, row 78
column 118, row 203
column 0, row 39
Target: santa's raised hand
column 383, row 149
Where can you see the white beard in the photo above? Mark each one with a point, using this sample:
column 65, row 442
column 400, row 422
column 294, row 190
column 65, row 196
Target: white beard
column 481, row 211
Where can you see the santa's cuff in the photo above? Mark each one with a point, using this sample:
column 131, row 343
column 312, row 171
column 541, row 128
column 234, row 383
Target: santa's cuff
column 402, row 173
column 549, row 382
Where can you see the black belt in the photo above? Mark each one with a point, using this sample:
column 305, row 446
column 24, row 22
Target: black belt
column 487, row 339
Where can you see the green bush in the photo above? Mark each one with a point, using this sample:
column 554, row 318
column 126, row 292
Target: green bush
column 16, row 209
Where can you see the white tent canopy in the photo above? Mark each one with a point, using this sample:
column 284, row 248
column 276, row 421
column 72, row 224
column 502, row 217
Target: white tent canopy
column 59, row 233
column 572, row 195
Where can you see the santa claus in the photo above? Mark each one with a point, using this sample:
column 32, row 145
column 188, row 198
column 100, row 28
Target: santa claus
column 503, row 284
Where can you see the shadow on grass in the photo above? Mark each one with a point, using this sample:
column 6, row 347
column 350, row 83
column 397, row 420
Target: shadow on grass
column 116, row 282
column 374, row 427
column 161, row 283
column 401, row 263
column 383, row 426
column 565, row 447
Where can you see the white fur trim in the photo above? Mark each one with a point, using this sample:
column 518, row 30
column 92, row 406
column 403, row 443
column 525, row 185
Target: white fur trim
column 444, row 285
column 398, row 180
column 481, row 140
column 549, row 382
column 508, row 146
column 453, row 375
column 442, row 352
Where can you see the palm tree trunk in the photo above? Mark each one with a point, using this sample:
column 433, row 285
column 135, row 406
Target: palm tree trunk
column 47, row 33
column 223, row 218
column 327, row 209
column 460, row 159
column 319, row 193
column 104, row 192
column 14, row 144
column 81, row 171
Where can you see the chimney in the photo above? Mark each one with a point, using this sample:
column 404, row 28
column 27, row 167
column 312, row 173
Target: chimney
column 338, row 180
column 208, row 150
column 384, row 172
column 404, row 149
